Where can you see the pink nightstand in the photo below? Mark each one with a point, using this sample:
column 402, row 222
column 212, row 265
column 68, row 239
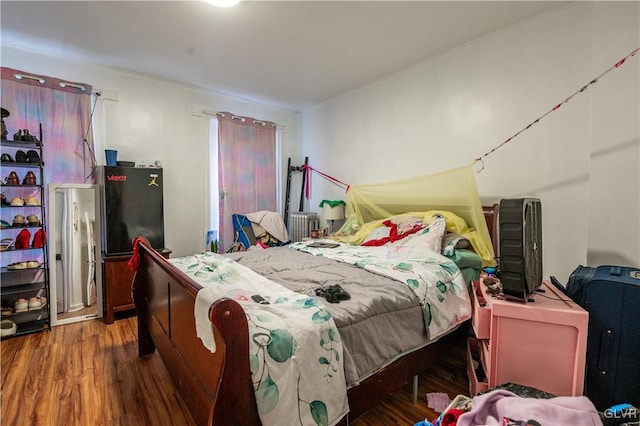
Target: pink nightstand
column 540, row 344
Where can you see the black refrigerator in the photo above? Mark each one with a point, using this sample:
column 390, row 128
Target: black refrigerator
column 132, row 206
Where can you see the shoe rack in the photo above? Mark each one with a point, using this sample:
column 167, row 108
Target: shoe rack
column 24, row 285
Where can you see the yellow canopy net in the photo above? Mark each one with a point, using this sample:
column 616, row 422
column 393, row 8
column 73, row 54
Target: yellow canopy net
column 452, row 194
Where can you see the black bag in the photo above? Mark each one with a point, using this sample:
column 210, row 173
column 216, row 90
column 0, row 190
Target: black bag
column 611, row 296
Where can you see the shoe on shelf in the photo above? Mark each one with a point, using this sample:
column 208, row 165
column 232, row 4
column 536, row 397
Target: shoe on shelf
column 17, row 201
column 18, row 221
column 6, row 309
column 33, row 264
column 32, row 202
column 21, row 305
column 21, row 156
column 36, row 303
column 12, row 179
column 22, row 239
column 33, row 220
column 17, row 266
column 6, row 244
column 8, row 328
column 4, row 224
column 33, row 157
column 29, row 179
column 39, row 239
column 6, row 158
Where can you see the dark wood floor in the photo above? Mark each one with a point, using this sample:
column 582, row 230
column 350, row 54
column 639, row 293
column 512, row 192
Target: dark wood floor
column 89, row 373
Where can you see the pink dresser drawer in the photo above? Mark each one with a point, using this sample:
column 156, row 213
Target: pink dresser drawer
column 481, row 318
column 475, row 386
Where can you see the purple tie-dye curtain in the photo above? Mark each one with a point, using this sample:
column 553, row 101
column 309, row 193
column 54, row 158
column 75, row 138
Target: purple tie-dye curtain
column 246, row 169
column 64, row 110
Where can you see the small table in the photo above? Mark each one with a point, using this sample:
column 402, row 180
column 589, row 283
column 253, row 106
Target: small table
column 117, row 278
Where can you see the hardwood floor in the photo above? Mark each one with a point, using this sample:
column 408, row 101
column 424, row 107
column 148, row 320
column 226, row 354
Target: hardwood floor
column 89, row 373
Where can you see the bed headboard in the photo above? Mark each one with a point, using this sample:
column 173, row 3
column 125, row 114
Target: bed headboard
column 491, row 216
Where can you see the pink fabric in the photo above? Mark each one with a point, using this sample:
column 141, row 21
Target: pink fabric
column 500, row 407
column 246, row 170
column 65, row 115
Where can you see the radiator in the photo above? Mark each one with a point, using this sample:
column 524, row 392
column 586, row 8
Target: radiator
column 301, row 224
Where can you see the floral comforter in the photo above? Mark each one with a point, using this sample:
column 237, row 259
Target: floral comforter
column 435, row 279
column 295, row 348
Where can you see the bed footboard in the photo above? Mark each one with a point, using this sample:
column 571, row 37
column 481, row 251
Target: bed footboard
column 216, row 387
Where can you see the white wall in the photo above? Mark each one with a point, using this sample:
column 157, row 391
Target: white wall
column 582, row 160
column 148, row 119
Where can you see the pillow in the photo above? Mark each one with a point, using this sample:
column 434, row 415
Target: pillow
column 454, row 222
column 429, row 237
column 452, row 241
column 407, row 224
column 379, row 236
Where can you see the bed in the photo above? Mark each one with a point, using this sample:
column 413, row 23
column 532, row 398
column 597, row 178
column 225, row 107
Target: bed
column 217, row 386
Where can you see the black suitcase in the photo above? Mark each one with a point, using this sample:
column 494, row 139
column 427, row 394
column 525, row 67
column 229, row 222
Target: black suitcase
column 611, row 296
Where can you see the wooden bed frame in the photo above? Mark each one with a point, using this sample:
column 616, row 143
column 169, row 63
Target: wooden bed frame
column 217, row 387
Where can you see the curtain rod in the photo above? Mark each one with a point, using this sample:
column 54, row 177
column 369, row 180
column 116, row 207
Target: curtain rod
column 41, row 80
column 237, row 117
column 77, row 86
column 30, row 77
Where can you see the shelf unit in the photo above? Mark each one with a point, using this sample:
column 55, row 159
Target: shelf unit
column 24, row 271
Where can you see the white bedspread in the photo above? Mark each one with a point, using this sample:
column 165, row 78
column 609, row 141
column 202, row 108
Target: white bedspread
column 295, row 349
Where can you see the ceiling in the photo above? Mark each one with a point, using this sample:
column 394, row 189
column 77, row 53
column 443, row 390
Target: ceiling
column 291, row 54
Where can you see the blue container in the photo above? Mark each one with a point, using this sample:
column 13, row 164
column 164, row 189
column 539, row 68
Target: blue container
column 111, row 156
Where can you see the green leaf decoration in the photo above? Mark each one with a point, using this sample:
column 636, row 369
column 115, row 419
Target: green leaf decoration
column 434, row 315
column 441, row 286
column 267, row 395
column 336, row 355
column 427, row 314
column 413, row 283
column 450, row 268
column 455, row 288
column 201, row 274
column 441, row 298
column 334, row 335
column 319, row 413
column 310, row 302
column 321, row 316
column 264, row 317
column 254, row 363
column 323, row 360
column 280, row 300
column 402, row 266
column 282, row 345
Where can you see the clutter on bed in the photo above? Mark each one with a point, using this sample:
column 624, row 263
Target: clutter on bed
column 452, row 194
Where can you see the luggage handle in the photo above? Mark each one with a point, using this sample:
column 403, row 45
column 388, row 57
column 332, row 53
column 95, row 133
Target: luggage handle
column 605, row 350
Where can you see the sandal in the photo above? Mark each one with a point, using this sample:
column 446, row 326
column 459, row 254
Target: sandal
column 33, row 264
column 6, row 244
column 17, row 266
